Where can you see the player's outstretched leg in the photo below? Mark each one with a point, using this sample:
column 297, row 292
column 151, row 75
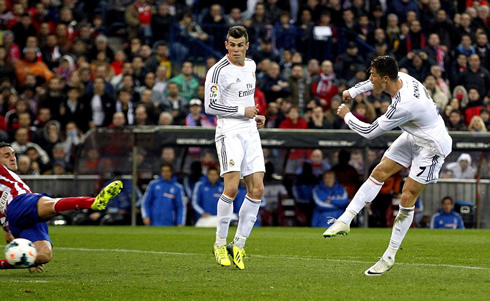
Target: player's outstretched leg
column 364, row 195
column 107, row 193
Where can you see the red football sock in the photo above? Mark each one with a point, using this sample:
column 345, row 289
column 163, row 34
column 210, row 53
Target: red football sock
column 73, row 203
column 4, row 265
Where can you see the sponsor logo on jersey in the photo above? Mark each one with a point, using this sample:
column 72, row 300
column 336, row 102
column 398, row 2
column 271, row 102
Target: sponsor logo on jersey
column 3, row 202
column 214, row 89
column 250, row 91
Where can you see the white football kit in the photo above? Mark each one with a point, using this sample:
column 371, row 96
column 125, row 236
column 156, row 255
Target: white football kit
column 228, row 90
column 424, row 143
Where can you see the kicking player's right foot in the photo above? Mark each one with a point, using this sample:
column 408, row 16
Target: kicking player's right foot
column 238, row 255
column 107, row 193
column 381, row 267
column 338, row 228
column 221, row 255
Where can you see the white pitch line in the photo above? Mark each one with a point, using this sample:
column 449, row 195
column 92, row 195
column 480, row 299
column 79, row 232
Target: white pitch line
column 29, row 281
column 275, row 256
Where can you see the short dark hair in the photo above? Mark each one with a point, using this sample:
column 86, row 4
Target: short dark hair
column 4, row 144
column 386, row 66
column 237, row 32
column 166, row 164
column 211, row 168
column 447, row 198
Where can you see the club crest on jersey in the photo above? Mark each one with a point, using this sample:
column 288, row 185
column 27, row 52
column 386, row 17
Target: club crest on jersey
column 232, row 163
column 214, row 89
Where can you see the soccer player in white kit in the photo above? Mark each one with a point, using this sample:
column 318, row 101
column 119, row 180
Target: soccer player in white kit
column 423, row 145
column 229, row 94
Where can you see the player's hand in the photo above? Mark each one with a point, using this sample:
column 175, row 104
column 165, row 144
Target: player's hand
column 343, row 110
column 95, row 216
column 36, row 269
column 146, row 221
column 251, row 112
column 346, row 97
column 260, row 120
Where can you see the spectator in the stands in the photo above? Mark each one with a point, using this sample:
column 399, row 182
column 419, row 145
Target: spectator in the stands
column 300, row 88
column 482, row 48
column 446, row 217
column 456, row 121
column 175, row 104
column 273, row 84
column 101, row 104
column 125, row 105
column 476, row 76
column 348, row 62
column 196, row 118
column 325, row 85
column 30, row 64
column 462, row 168
column 439, row 98
column 141, row 116
column 318, row 120
column 418, row 64
column 21, row 144
column 138, row 17
column 186, row 82
column 331, row 114
column 165, row 118
column 465, row 46
column 51, row 52
column 330, row 200
column 477, row 125
column 345, row 174
column 159, row 58
column 265, row 51
column 161, row 23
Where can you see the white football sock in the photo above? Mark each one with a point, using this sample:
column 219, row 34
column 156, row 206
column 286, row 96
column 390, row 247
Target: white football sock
column 246, row 220
column 365, row 195
column 402, row 223
column 225, row 210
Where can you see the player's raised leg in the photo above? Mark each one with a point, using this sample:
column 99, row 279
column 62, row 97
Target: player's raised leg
column 48, row 207
column 411, row 191
column 247, row 217
column 365, row 195
column 225, row 211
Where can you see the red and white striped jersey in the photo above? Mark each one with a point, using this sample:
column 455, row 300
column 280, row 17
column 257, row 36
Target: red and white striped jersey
column 11, row 186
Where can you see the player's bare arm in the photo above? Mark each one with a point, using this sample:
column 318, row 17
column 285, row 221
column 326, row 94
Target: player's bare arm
column 260, row 120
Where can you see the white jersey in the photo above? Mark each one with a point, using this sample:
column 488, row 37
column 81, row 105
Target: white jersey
column 229, row 89
column 411, row 109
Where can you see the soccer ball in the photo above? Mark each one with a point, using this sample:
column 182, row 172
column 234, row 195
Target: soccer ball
column 21, row 253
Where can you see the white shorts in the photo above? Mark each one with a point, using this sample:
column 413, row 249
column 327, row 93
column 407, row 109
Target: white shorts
column 425, row 163
column 240, row 152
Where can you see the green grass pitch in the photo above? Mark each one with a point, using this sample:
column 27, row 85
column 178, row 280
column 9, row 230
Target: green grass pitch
column 142, row 263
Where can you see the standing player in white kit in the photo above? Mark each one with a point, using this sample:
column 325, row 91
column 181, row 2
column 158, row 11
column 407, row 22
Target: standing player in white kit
column 229, row 94
column 423, row 145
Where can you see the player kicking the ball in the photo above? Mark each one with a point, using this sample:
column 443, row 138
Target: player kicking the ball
column 423, row 145
column 229, row 94
column 24, row 213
